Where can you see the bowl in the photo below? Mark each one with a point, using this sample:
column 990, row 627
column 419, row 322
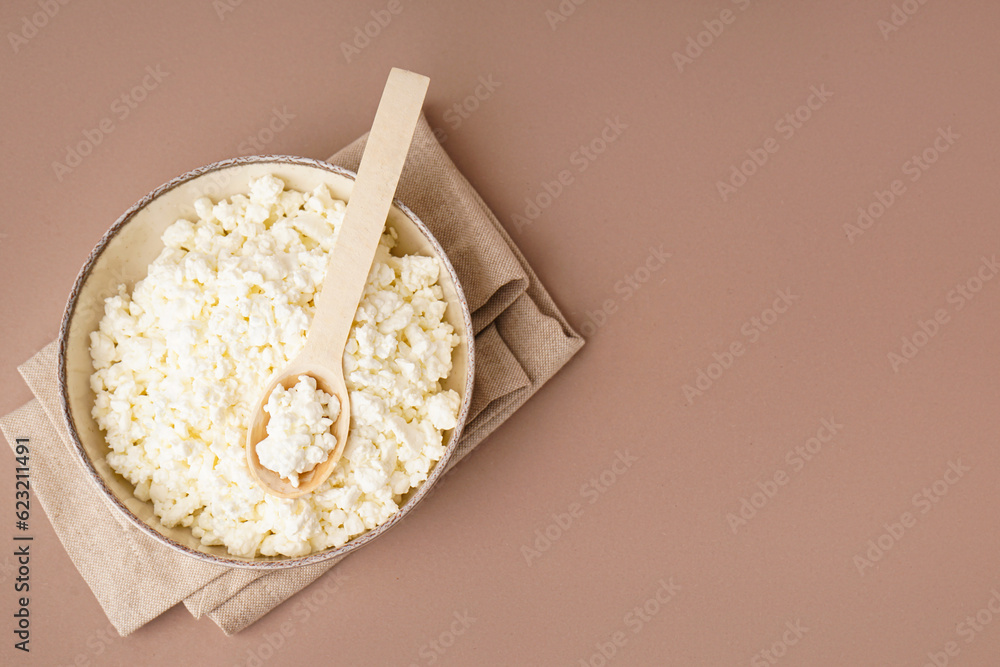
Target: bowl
column 123, row 256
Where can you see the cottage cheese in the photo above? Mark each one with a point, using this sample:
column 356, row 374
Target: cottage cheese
column 228, row 302
column 298, row 429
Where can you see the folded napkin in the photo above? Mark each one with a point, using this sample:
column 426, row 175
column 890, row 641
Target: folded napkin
column 521, row 340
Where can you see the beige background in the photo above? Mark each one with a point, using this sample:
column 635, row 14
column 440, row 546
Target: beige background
column 226, row 72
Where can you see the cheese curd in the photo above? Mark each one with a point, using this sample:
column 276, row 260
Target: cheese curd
column 298, row 429
column 180, row 360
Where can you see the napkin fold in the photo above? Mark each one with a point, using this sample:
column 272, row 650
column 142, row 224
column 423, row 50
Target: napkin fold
column 521, row 340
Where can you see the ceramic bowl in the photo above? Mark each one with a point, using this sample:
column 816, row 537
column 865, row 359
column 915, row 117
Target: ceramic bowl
column 123, row 256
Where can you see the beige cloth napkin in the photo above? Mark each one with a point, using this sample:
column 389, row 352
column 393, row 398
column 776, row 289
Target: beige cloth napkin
column 521, row 341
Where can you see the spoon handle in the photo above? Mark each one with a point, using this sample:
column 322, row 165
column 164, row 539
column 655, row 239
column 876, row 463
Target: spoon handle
column 369, row 204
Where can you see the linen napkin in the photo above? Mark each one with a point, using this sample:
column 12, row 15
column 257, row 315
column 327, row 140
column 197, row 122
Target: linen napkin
column 521, row 340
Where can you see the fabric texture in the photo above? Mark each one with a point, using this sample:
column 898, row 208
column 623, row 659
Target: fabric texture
column 521, row 340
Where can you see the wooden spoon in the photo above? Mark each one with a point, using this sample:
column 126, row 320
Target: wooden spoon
column 346, row 275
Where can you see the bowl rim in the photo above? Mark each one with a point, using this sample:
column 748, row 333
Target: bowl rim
column 266, row 562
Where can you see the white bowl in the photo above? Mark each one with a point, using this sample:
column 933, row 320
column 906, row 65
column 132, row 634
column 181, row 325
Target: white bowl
column 123, row 256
